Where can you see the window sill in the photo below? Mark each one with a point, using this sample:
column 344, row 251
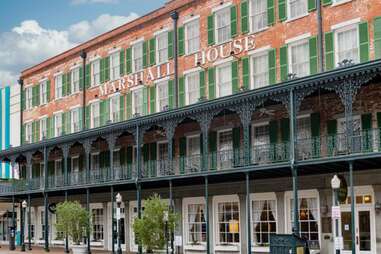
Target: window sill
column 57, row 242
column 192, row 53
column 260, row 249
column 223, row 42
column 260, row 30
column 297, row 17
column 195, row 247
column 340, row 3
column 230, row 247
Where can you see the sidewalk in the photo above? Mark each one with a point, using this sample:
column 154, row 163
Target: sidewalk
column 38, row 250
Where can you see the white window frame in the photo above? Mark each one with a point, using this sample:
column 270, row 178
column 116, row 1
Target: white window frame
column 28, row 97
column 251, row 18
column 56, row 134
column 251, row 59
column 28, row 136
column 158, row 84
column 75, row 71
column 136, row 44
column 289, row 53
column 266, row 196
column 160, row 34
column 117, row 111
column 223, row 8
column 92, row 66
column 72, row 129
column 58, row 89
column 43, row 120
column 192, row 137
column 288, row 195
column 296, row 17
column 217, row 243
column 114, row 76
column 92, row 105
column 186, row 76
column 186, row 202
column 140, row 89
column 131, row 217
column 44, row 92
column 95, row 206
column 336, row 41
column 218, row 69
column 186, row 27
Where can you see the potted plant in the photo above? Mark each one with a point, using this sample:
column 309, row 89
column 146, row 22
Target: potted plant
column 73, row 221
column 153, row 228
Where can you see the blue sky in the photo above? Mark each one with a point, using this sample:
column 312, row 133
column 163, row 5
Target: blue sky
column 33, row 30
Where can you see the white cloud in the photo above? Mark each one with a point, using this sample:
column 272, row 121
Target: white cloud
column 78, row 2
column 29, row 43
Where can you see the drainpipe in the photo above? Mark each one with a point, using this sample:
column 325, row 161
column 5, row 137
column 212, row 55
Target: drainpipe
column 320, row 35
column 175, row 17
column 83, row 56
column 21, row 83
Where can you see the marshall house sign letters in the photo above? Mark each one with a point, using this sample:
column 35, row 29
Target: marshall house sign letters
column 151, row 74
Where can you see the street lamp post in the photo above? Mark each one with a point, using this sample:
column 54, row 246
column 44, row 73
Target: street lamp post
column 335, row 184
column 118, row 202
column 165, row 219
column 23, row 205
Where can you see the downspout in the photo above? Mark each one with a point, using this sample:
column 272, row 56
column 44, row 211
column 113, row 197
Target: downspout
column 320, row 35
column 175, row 17
column 83, row 56
column 22, row 102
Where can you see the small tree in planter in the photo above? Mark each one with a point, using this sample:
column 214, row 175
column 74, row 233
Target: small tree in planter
column 73, row 220
column 150, row 229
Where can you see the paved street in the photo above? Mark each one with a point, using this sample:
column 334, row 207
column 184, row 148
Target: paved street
column 38, row 250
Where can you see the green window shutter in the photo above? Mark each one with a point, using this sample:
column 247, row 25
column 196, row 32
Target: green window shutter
column 270, row 12
column 244, row 17
column 233, row 21
column 313, row 55
column 87, row 76
column 285, row 129
column 80, row 115
column 152, row 95
column 181, row 41
column 272, row 66
column 364, row 42
column 23, row 134
column 129, row 105
column 48, row 127
column 64, row 84
column 80, row 78
column 48, row 84
column 170, row 44
column 129, row 60
column 102, row 70
column 235, row 81
column 68, row 122
column 212, row 150
column 211, row 83
column 34, row 96
column 64, row 124
column 145, row 100
column 332, row 127
column 107, row 68
column 181, row 91
column 33, row 132
column 145, row 51
column 170, row 94
column 153, row 155
column 106, row 111
column 53, row 126
column 202, row 84
column 182, row 153
column 129, row 161
column 122, row 106
column 38, row 99
column 152, row 51
column 68, row 83
column 102, row 109
column 283, row 63
column 282, row 12
column 211, row 29
column 246, row 72
column 315, row 125
column 273, row 131
column 366, row 121
column 329, row 51
column 37, row 131
column 331, row 131
column 311, row 5
column 367, row 137
column 23, row 106
column 327, row 2
column 236, row 146
column 377, row 37
column 122, row 61
column 87, row 116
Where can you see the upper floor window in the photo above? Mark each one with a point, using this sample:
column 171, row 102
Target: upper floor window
column 224, row 80
column 75, row 120
column 300, row 58
column 28, row 132
column 347, row 44
column 58, row 86
column 95, row 115
column 258, row 15
column 222, row 28
column 162, row 47
column 162, row 95
column 261, row 141
column 58, row 131
column 115, row 66
column 137, row 101
column 260, row 71
column 192, row 83
column 28, row 98
column 297, row 8
column 192, row 35
column 193, row 145
column 137, row 57
column 44, row 92
column 225, row 147
column 75, row 80
column 43, row 128
column 96, row 73
column 115, row 108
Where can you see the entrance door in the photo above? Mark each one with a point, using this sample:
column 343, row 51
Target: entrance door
column 363, row 228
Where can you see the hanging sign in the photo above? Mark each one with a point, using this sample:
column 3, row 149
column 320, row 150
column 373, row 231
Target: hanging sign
column 336, row 212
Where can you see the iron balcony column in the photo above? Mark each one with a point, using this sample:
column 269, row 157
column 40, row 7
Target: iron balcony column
column 248, row 213
column 22, row 227
column 66, row 236
column 111, row 146
column 88, row 210
column 46, row 215
column 13, row 229
column 138, row 141
column 65, row 153
column 207, row 215
column 46, row 155
column 29, row 224
column 112, row 221
column 353, row 211
column 139, row 201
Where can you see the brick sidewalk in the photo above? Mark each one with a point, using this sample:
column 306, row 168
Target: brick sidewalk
column 38, row 250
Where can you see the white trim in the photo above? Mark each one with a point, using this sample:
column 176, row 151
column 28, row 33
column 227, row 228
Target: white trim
column 114, row 50
column 137, row 41
column 259, row 50
column 298, row 38
column 261, row 123
column 217, row 78
column 301, row 116
column 58, row 112
column 134, row 88
column 346, row 23
column 186, row 202
column 95, row 58
column 113, row 95
column 93, row 101
column 75, row 107
column 163, row 30
column 42, row 117
column 336, row 44
column 335, row 3
column 43, row 80
column 161, row 80
column 188, row 20
column 191, row 71
column 263, row 196
column 28, row 121
column 221, row 6
column 223, row 61
column 57, row 74
column 188, row 137
column 75, row 66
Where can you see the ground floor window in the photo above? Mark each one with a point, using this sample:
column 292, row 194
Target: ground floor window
column 227, row 226
column 97, row 222
column 194, row 220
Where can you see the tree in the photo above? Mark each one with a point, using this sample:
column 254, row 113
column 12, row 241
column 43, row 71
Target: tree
column 150, row 228
column 72, row 220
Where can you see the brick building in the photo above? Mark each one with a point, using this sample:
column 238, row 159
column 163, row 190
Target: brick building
column 242, row 112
